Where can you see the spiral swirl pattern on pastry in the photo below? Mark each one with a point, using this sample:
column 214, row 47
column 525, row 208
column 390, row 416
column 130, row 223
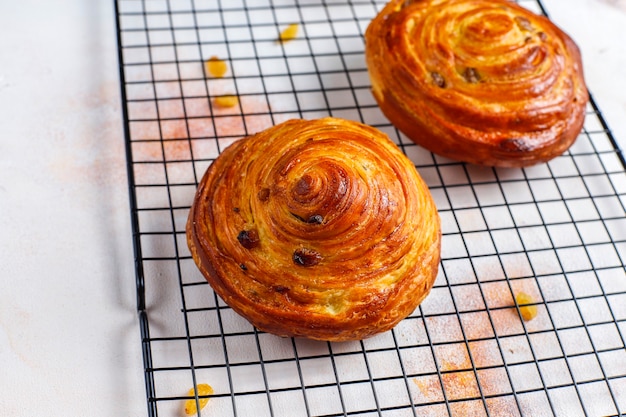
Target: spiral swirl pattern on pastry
column 482, row 81
column 320, row 229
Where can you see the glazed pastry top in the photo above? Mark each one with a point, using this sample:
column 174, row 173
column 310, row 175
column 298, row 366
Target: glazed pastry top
column 318, row 228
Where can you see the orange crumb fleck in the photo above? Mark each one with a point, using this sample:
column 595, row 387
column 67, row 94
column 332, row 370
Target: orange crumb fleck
column 226, row 101
column 203, row 391
column 528, row 312
column 289, row 33
column 456, row 385
column 216, row 67
column 429, row 387
column 460, row 385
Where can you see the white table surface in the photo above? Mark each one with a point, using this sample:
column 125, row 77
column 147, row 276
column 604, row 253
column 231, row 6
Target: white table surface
column 69, row 336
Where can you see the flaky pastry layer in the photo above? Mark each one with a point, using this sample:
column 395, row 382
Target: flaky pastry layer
column 481, row 81
column 320, row 229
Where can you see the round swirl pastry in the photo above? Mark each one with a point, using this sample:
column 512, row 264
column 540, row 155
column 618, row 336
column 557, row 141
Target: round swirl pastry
column 320, row 229
column 481, row 81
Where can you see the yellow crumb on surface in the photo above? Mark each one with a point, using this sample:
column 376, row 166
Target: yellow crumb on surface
column 528, row 312
column 190, row 405
column 289, row 33
column 226, row 101
column 216, row 67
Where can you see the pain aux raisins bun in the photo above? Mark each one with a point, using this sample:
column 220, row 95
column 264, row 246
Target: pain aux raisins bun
column 320, row 229
column 482, row 81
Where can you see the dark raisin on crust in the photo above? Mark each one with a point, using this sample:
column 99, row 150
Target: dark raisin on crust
column 471, row 75
column 306, row 257
column 248, row 238
column 315, row 219
column 438, row 79
column 264, row 194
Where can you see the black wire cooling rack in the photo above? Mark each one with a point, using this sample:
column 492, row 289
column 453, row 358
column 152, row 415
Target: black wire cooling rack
column 556, row 231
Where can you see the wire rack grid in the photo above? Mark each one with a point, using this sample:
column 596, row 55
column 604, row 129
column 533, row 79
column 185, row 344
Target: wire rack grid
column 556, row 231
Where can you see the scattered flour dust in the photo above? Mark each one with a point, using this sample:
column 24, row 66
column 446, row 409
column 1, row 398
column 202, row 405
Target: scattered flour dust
column 176, row 133
column 93, row 150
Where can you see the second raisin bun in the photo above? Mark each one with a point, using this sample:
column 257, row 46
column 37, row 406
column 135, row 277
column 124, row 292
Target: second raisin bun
column 320, row 229
column 481, row 81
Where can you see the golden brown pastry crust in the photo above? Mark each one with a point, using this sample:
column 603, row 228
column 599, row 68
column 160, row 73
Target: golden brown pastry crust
column 320, row 229
column 482, row 81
